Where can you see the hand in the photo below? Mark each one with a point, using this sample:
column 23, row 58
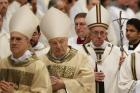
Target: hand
column 6, row 87
column 57, row 83
column 99, row 76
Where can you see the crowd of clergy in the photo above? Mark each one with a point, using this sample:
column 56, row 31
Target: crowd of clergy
column 69, row 46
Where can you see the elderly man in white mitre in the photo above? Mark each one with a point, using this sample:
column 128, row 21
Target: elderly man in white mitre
column 22, row 72
column 69, row 69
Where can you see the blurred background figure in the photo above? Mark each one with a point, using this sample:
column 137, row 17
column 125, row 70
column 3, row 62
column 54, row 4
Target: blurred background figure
column 33, row 4
column 38, row 47
column 82, row 6
column 4, row 41
column 79, row 7
column 81, row 30
column 105, row 3
column 10, row 1
column 3, row 7
column 70, row 3
column 42, row 5
column 3, row 11
column 120, row 5
column 133, row 36
column 138, row 12
column 59, row 4
column 133, row 4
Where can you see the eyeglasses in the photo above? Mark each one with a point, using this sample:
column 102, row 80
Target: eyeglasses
column 98, row 33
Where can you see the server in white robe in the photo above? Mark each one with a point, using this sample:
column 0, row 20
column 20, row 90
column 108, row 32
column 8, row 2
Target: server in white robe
column 129, row 78
column 133, row 36
column 120, row 5
column 4, row 41
column 3, row 11
column 38, row 47
column 106, row 55
column 42, row 6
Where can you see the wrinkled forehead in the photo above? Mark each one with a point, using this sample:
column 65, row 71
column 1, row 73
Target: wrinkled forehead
column 57, row 39
column 98, row 29
column 17, row 34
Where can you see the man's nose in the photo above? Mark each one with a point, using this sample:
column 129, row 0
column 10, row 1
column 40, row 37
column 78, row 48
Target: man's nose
column 99, row 34
column 78, row 26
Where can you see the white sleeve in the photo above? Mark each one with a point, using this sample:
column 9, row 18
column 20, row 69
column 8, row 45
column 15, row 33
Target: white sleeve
column 137, row 90
column 126, row 83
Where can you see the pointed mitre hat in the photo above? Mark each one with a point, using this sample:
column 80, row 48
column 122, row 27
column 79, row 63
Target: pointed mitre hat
column 98, row 16
column 55, row 23
column 24, row 22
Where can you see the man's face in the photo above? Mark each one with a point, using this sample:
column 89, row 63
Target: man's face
column 1, row 22
column 34, row 5
column 92, row 3
column 3, row 7
column 81, row 27
column 18, row 43
column 98, row 35
column 133, row 4
column 123, row 2
column 132, row 34
column 59, row 46
column 61, row 5
column 35, row 38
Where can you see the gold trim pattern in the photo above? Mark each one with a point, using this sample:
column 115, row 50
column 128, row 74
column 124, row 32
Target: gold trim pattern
column 98, row 18
column 98, row 24
column 72, row 52
column 98, row 13
column 16, row 76
column 99, row 52
column 61, row 71
column 133, row 67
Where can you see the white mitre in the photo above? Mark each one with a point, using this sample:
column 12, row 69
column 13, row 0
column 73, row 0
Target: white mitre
column 98, row 16
column 24, row 22
column 55, row 23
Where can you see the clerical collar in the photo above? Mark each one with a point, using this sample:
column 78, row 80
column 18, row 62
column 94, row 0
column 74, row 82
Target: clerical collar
column 26, row 55
column 80, row 40
column 39, row 46
column 132, row 47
